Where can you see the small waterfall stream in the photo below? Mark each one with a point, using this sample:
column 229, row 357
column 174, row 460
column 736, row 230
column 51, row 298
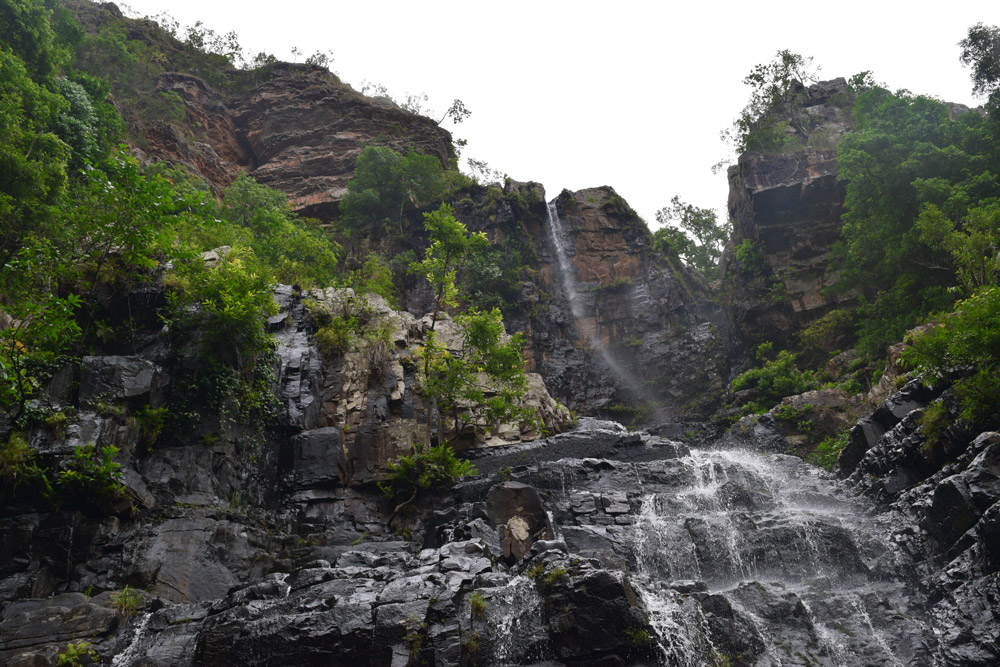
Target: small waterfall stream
column 623, row 377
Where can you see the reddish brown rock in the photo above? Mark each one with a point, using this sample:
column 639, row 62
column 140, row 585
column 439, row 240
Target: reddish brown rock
column 788, row 206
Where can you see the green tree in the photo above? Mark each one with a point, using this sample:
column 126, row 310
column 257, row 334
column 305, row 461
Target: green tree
column 482, row 384
column 385, row 183
column 966, row 341
column 709, row 237
column 296, row 249
column 971, row 243
column 25, row 29
column 33, row 160
column 981, row 52
column 907, row 152
column 233, row 298
column 450, row 240
column 776, row 91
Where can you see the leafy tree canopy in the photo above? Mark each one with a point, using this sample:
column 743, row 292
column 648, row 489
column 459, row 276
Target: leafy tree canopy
column 701, row 246
column 385, row 184
column 775, row 94
column 908, row 159
column 981, row 52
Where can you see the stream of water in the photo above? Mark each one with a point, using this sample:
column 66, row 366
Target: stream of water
column 623, row 377
column 809, row 572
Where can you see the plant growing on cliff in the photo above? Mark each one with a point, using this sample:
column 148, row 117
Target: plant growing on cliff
column 384, row 184
column 774, row 109
column 425, row 471
column 296, row 249
column 92, row 478
column 966, row 342
column 912, row 167
column 21, row 476
column 77, row 655
column 773, row 379
column 482, row 384
column 227, row 303
column 126, row 601
column 450, row 241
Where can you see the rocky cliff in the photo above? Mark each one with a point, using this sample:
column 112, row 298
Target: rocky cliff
column 646, row 333
column 786, row 208
column 293, row 127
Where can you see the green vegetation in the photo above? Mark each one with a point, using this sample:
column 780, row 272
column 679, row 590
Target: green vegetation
column 127, row 601
column 21, row 474
column 482, row 384
column 920, row 212
column 449, row 242
column 425, row 471
column 477, row 605
column 639, row 636
column 77, row 655
column 773, row 118
column 385, row 184
column 92, row 479
column 981, row 52
column 826, row 452
column 775, row 378
column 555, row 575
column 966, row 343
column 699, row 240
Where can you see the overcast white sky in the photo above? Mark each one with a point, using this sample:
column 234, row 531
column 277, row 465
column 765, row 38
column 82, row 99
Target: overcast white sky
column 579, row 94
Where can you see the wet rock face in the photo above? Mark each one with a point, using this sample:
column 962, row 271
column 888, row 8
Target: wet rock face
column 788, row 207
column 950, row 491
column 647, row 333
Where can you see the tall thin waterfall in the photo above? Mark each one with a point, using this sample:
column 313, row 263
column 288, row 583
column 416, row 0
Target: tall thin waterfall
column 622, row 376
column 565, row 268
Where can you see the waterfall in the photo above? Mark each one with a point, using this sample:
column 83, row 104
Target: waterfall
column 623, row 377
column 565, row 268
column 802, row 563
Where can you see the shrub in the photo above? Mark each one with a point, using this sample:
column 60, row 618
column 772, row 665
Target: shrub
column 234, row 298
column 375, row 276
column 334, row 338
column 774, row 379
column 827, row 451
column 92, row 482
column 555, row 575
column 477, row 604
column 432, row 469
column 127, row 600
column 149, row 421
column 968, row 341
column 77, row 655
column 21, row 475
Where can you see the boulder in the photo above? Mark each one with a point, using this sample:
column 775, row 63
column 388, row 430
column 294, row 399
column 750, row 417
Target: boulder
column 517, row 511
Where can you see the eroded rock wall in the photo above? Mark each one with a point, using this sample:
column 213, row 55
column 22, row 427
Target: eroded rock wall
column 786, row 209
column 649, row 338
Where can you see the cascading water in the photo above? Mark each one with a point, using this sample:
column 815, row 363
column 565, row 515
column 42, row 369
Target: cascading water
column 745, row 558
column 577, row 309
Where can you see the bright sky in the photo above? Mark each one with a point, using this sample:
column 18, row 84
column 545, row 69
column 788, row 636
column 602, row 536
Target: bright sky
column 580, row 94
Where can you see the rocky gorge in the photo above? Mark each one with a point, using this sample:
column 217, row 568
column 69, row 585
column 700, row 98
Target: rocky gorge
column 256, row 526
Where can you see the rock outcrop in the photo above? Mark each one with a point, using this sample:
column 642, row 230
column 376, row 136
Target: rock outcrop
column 293, row 127
column 786, row 211
column 649, row 341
